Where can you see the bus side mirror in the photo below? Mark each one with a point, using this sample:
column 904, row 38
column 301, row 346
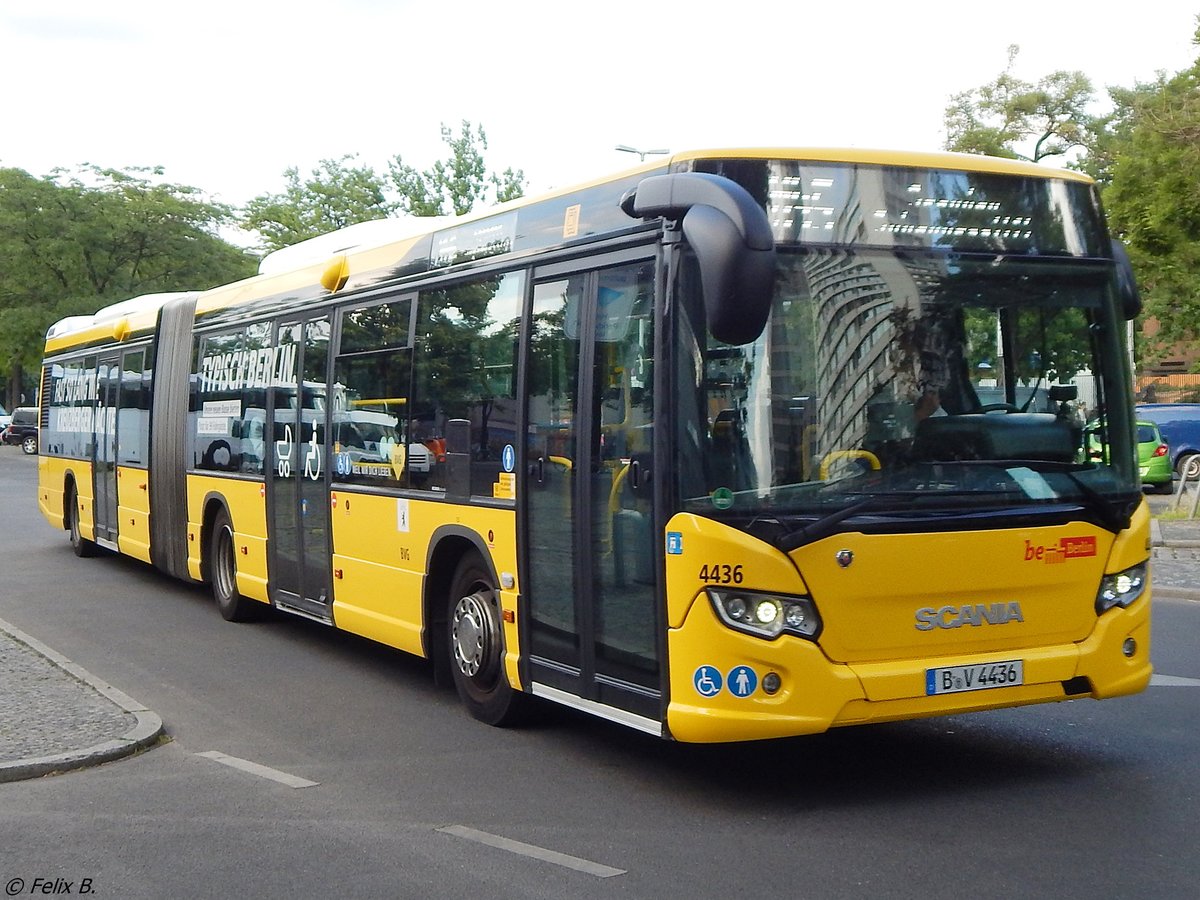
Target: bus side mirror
column 732, row 239
column 1127, row 289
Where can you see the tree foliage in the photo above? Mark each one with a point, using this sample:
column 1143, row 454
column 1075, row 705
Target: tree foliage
column 335, row 194
column 1145, row 155
column 1153, row 198
column 71, row 243
column 338, row 193
column 1008, row 115
column 456, row 184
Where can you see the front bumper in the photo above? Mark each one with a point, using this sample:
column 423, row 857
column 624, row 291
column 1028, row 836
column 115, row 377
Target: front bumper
column 817, row 694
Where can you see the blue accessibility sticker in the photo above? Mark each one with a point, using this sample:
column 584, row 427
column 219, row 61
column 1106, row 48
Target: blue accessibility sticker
column 707, row 681
column 743, row 681
column 674, row 543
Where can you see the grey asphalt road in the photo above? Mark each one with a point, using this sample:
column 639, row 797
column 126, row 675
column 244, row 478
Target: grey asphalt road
column 307, row 763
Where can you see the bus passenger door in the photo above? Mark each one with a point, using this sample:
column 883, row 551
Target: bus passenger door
column 297, row 492
column 104, row 462
column 592, row 578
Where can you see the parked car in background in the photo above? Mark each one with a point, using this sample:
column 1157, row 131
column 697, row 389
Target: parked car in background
column 1154, row 455
column 1179, row 424
column 23, row 429
column 5, row 419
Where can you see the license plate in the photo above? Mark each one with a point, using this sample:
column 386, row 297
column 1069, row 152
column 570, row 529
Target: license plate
column 977, row 677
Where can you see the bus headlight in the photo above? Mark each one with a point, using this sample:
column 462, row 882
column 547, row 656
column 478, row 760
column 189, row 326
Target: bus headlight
column 1121, row 589
column 766, row 615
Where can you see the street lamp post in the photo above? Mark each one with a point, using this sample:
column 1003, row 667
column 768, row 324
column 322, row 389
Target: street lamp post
column 642, row 154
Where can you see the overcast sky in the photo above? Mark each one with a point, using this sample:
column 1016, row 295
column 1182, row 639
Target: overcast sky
column 226, row 94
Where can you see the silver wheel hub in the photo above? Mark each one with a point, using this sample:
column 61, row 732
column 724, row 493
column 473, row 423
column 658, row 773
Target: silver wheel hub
column 473, row 634
column 225, row 573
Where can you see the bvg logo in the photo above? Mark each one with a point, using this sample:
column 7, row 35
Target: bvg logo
column 1066, row 548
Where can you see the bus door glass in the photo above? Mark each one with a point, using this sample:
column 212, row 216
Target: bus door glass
column 298, row 494
column 592, row 575
column 108, row 381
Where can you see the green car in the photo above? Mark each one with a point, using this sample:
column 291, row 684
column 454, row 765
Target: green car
column 1154, row 457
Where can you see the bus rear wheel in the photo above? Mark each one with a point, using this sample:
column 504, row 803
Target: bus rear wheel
column 476, row 646
column 79, row 544
column 222, row 556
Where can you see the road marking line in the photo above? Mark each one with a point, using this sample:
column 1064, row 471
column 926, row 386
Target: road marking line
column 550, row 856
column 254, row 768
column 1174, row 681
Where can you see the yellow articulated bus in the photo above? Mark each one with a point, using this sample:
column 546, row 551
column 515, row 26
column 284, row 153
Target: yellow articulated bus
column 741, row 444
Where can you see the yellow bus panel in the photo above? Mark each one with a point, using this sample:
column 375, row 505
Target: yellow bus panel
column 902, row 605
column 381, row 545
column 133, row 512
column 247, row 511
column 54, row 474
column 870, row 607
column 753, row 564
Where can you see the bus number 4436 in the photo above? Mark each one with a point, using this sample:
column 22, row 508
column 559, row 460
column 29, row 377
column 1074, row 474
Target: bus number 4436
column 721, row 573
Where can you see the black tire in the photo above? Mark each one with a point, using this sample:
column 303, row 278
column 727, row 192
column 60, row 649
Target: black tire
column 222, row 571
column 79, row 544
column 29, row 446
column 475, row 646
column 1186, row 465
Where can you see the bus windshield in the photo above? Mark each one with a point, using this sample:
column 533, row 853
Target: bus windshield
column 910, row 384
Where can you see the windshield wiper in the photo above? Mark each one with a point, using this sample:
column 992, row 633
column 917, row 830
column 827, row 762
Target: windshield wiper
column 1113, row 517
column 822, row 527
column 1112, row 514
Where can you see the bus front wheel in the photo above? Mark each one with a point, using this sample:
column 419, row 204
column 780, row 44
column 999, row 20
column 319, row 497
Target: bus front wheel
column 476, row 646
column 222, row 555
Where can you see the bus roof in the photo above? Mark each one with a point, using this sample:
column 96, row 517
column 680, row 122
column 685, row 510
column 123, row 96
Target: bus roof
column 916, row 159
column 380, row 250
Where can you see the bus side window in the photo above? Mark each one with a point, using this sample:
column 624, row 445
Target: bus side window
column 370, row 394
column 216, row 407
column 466, row 346
column 133, row 418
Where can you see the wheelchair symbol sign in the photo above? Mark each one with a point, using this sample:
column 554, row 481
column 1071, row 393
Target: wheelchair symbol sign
column 707, row 681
